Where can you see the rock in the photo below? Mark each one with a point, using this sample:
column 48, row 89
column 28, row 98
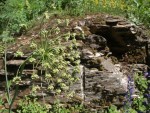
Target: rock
column 23, row 92
column 9, row 55
column 96, row 42
column 78, row 28
column 86, row 31
column 14, row 106
column 112, row 22
column 82, row 23
column 99, row 29
column 97, row 81
column 2, row 73
column 1, row 63
column 96, row 39
column 15, row 62
column 96, row 55
column 25, row 83
column 148, row 53
column 133, row 31
column 85, row 53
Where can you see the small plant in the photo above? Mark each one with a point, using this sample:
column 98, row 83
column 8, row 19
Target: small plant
column 18, row 54
column 141, row 82
column 56, row 58
column 7, row 39
column 28, row 105
column 142, row 103
column 112, row 109
column 2, row 109
column 137, row 103
column 60, row 108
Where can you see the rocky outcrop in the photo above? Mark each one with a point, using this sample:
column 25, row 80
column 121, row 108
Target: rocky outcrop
column 109, row 47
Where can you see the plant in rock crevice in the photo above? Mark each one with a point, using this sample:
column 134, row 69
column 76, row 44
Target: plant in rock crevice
column 58, row 57
column 142, row 104
column 137, row 103
column 31, row 106
column 112, row 109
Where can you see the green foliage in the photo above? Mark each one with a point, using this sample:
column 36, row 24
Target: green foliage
column 13, row 15
column 1, row 104
column 141, row 82
column 28, row 105
column 1, row 101
column 1, row 49
column 59, row 108
column 141, row 103
column 31, row 106
column 18, row 53
column 16, row 14
column 138, row 103
column 112, row 109
column 138, row 11
column 6, row 38
column 74, row 7
column 55, row 58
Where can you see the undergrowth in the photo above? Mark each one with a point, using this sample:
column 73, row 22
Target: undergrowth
column 19, row 14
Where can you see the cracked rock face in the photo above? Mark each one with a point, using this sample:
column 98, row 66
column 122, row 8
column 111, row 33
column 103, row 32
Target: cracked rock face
column 110, row 80
column 103, row 78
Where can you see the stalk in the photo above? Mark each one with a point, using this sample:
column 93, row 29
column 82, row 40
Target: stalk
column 6, row 75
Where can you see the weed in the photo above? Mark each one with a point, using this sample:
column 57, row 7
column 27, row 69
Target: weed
column 28, row 105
